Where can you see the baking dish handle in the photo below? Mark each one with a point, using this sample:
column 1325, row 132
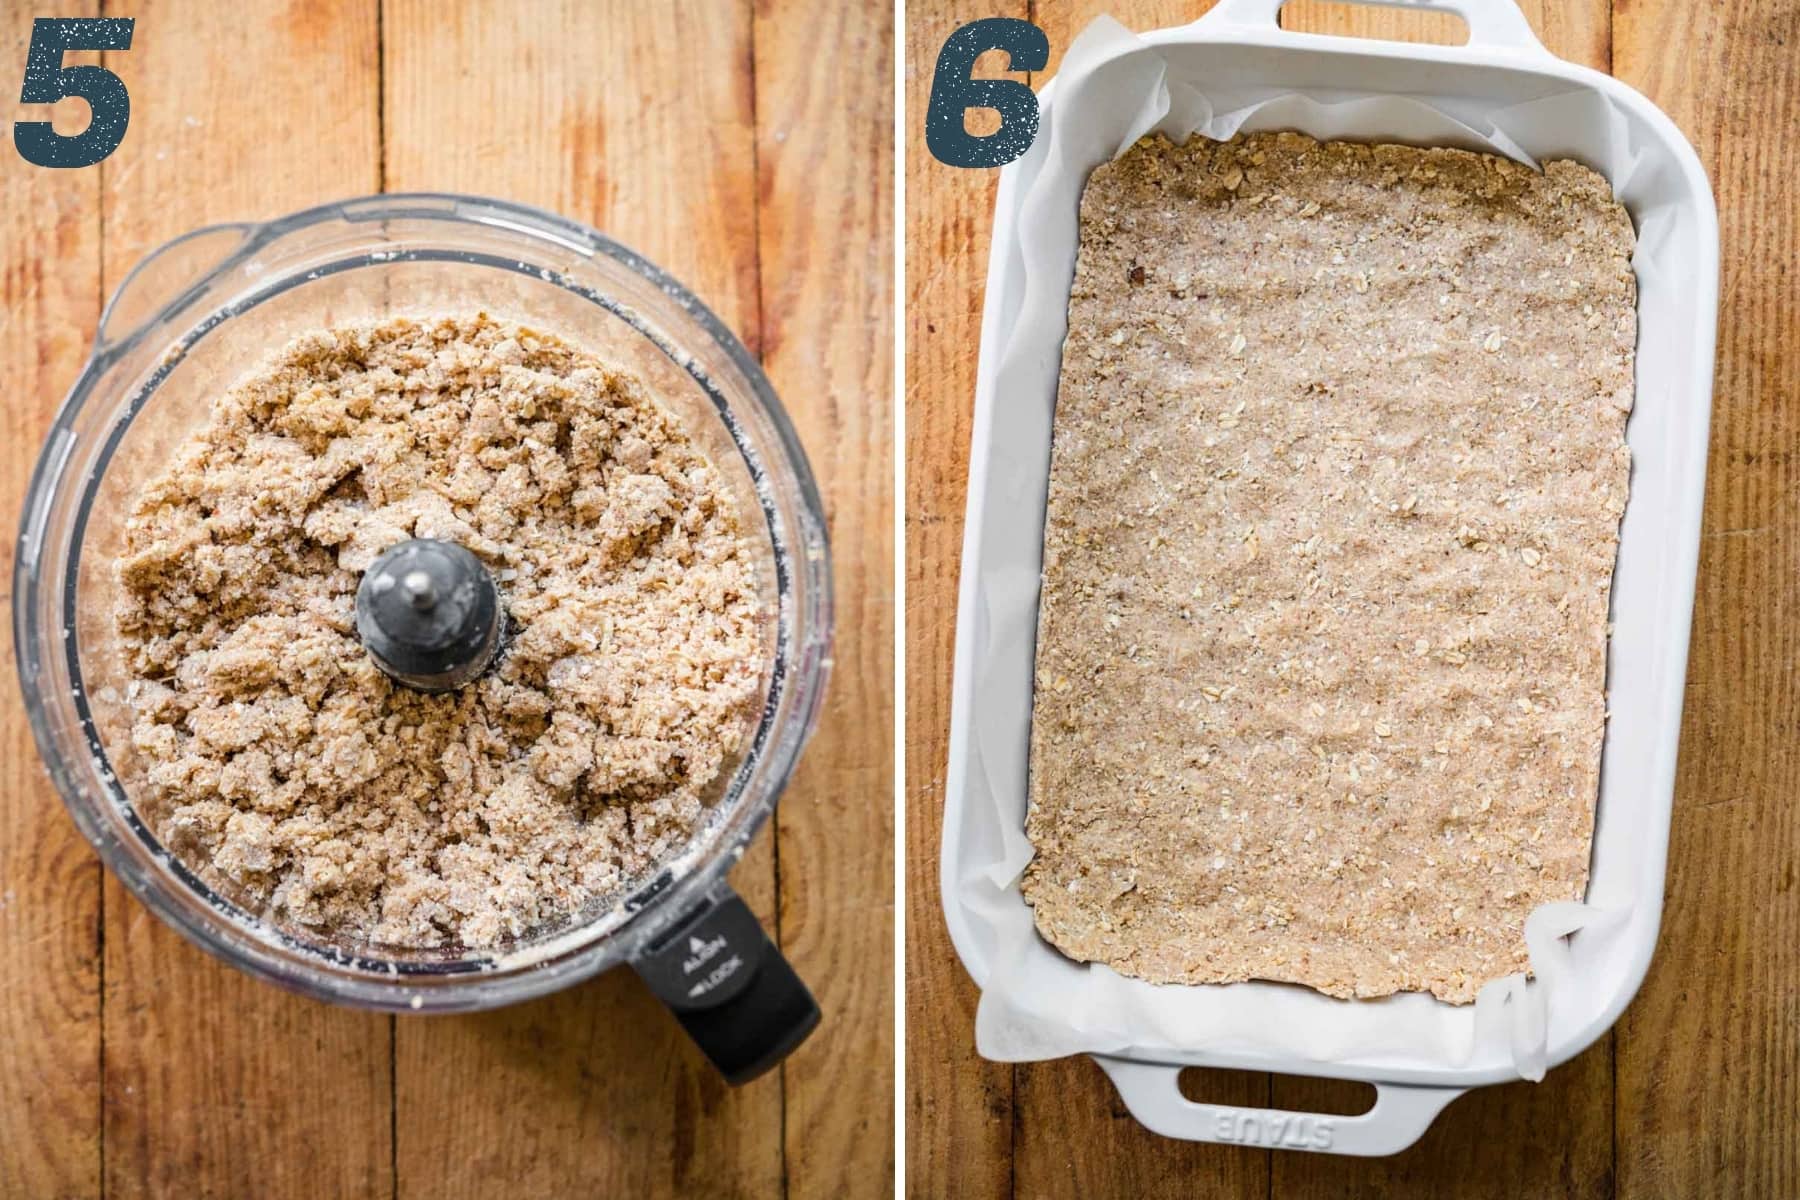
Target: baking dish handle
column 1402, row 1113
column 1493, row 24
column 729, row 986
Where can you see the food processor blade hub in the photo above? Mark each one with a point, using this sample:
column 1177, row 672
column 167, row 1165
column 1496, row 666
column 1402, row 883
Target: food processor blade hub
column 428, row 613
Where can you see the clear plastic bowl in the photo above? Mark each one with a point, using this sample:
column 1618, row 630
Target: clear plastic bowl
column 207, row 307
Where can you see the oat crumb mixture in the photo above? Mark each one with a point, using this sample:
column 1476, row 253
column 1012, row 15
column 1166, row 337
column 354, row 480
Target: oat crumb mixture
column 277, row 757
column 1338, row 469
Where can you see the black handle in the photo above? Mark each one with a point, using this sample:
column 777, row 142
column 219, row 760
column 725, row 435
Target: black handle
column 728, row 985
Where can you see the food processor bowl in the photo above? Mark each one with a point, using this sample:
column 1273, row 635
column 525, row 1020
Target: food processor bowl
column 207, row 308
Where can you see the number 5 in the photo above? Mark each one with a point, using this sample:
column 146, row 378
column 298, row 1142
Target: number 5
column 47, row 81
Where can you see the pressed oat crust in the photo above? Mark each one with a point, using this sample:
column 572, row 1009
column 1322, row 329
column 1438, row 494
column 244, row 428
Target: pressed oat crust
column 1338, row 470
column 278, row 759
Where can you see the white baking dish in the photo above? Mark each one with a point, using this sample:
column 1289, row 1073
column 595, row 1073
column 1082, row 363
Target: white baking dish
column 1236, row 68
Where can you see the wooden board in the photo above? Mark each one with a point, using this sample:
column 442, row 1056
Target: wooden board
column 1706, row 1059
column 959, row 1109
column 49, row 879
column 750, row 158
column 825, row 185
column 1709, row 1055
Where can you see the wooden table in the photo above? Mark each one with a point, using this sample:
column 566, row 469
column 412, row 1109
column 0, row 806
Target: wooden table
column 1694, row 1093
column 747, row 149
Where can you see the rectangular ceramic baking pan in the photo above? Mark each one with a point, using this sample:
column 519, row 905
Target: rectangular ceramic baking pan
column 1502, row 65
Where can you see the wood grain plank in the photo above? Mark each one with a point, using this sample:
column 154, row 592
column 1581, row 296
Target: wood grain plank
column 1341, row 18
column 959, row 1114
column 825, row 121
column 637, row 119
column 49, row 879
column 216, row 1084
column 1709, row 1054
